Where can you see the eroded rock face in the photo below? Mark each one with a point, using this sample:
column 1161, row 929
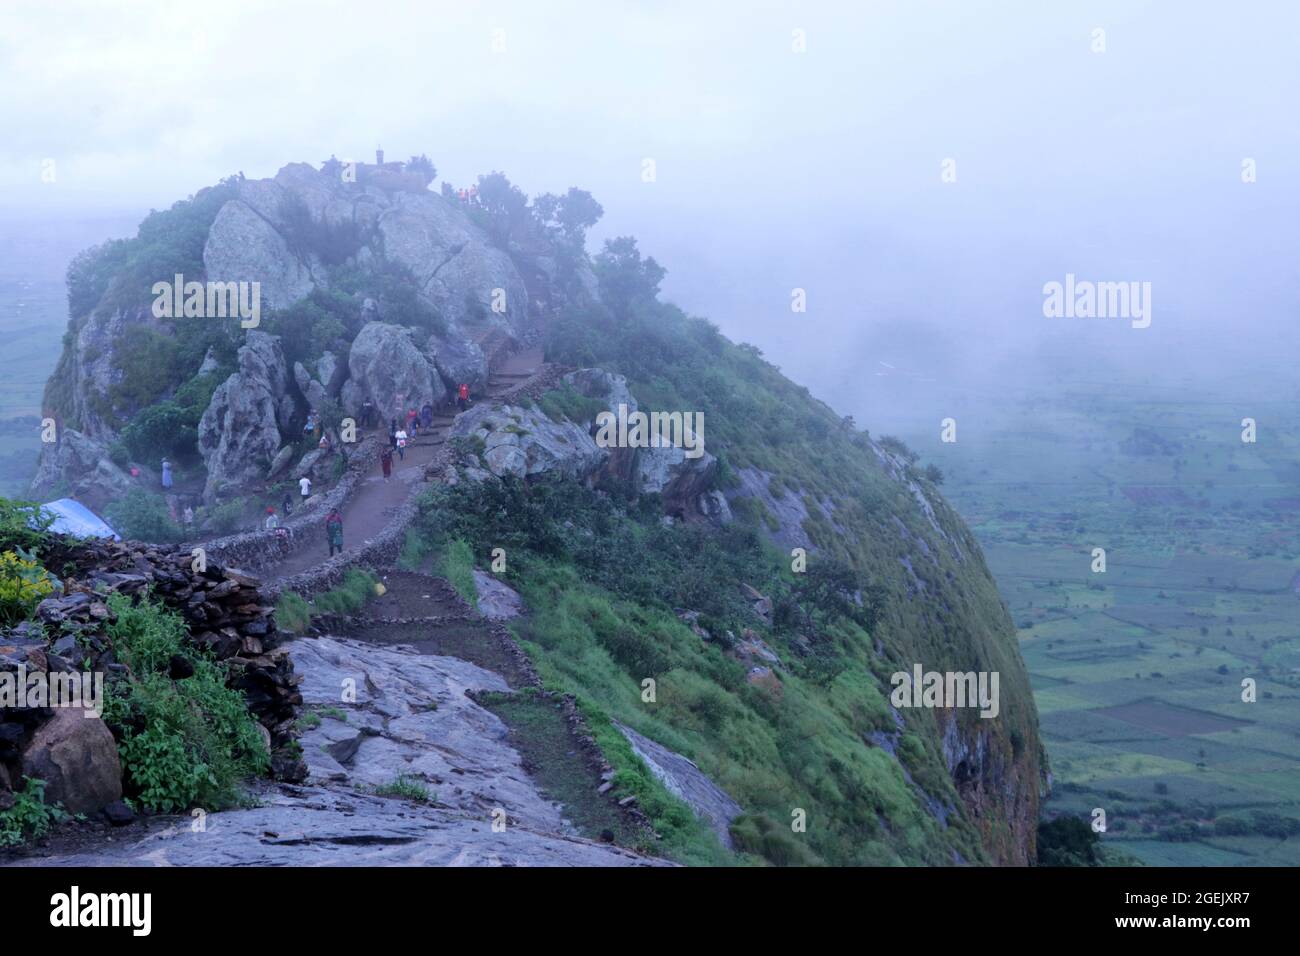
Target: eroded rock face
column 76, row 756
column 523, row 442
column 684, row 780
column 80, row 466
column 244, row 247
column 239, row 434
column 388, row 369
column 412, row 718
column 455, row 265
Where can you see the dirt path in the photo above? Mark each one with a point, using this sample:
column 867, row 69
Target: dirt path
column 369, row 510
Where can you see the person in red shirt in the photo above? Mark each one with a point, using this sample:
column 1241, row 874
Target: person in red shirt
column 462, row 396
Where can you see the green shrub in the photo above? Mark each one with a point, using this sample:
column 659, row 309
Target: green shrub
column 23, row 585
column 23, row 525
column 30, row 817
column 1067, row 841
column 567, row 402
column 225, row 517
column 406, row 787
column 185, row 742
column 143, row 516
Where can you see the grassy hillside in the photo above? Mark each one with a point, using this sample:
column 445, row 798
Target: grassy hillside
column 605, row 578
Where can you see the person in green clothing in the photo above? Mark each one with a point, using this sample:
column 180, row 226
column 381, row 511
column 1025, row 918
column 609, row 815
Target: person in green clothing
column 334, row 531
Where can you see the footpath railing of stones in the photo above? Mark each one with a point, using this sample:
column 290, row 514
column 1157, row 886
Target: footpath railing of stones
column 261, row 549
column 383, row 549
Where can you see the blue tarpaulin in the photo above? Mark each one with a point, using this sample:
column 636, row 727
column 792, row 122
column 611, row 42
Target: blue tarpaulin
column 72, row 517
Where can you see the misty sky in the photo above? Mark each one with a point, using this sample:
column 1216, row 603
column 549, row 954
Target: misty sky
column 775, row 169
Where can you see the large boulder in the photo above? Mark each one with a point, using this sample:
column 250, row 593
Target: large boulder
column 458, row 360
column 685, row 484
column 242, row 246
column 680, row 480
column 454, row 263
column 599, row 384
column 239, row 434
column 387, row 368
column 312, row 390
column 497, row 601
column 523, row 442
column 331, row 373
column 75, row 754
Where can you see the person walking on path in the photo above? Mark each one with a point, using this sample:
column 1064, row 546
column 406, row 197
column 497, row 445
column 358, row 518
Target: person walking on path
column 392, row 434
column 462, row 396
column 426, row 415
column 287, row 506
column 368, row 414
column 334, row 531
column 166, row 473
column 386, row 462
column 304, row 487
column 401, row 444
column 272, row 522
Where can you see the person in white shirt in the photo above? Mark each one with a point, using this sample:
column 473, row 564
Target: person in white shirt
column 401, row 444
column 304, row 485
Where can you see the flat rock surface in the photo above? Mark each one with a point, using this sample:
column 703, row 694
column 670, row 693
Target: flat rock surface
column 317, row 826
column 404, row 714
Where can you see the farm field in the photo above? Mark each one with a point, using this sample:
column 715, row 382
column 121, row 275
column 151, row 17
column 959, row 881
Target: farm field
column 1137, row 671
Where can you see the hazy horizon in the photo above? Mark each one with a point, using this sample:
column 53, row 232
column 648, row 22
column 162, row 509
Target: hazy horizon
column 775, row 169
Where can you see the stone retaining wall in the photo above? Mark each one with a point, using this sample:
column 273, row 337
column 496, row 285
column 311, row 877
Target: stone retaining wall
column 257, row 550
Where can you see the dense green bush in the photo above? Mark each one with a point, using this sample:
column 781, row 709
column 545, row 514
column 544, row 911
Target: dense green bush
column 1068, row 841
column 23, row 585
column 24, row 525
column 30, row 817
column 566, row 402
column 143, row 516
column 183, row 742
